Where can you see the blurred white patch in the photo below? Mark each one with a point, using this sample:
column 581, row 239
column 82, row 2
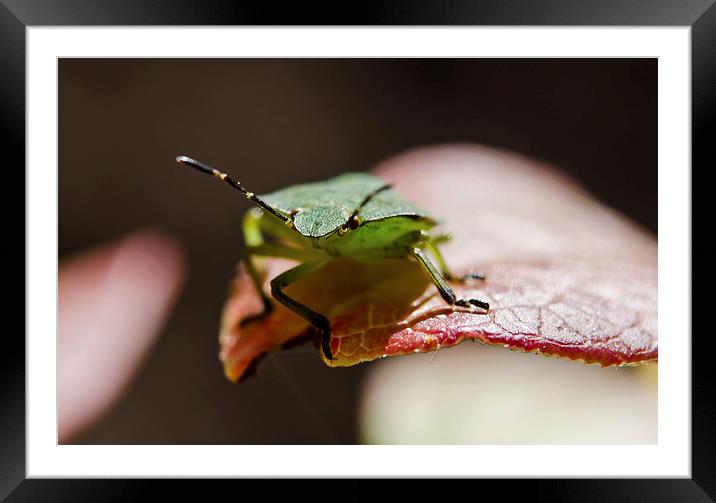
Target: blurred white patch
column 477, row 394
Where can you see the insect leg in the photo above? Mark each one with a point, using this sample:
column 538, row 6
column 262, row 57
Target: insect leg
column 317, row 320
column 445, row 291
column 440, row 238
column 432, row 245
column 271, row 250
column 256, row 279
column 257, row 227
column 254, row 229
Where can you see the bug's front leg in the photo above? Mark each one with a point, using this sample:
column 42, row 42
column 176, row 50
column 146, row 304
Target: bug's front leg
column 257, row 226
column 446, row 292
column 253, row 236
column 270, row 250
column 317, row 320
column 432, row 244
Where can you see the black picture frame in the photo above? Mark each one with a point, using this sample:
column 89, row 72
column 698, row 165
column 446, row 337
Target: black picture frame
column 17, row 15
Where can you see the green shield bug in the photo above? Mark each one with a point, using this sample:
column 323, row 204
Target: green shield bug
column 354, row 215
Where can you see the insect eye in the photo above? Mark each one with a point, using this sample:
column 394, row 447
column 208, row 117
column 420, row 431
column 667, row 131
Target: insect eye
column 353, row 223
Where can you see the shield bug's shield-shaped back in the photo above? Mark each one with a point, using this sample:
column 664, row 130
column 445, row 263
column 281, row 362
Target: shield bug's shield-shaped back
column 354, row 215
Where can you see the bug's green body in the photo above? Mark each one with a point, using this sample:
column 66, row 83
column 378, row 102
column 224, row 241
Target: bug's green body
column 387, row 226
column 324, row 207
column 354, row 215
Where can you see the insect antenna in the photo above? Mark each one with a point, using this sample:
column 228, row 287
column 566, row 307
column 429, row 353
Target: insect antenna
column 200, row 166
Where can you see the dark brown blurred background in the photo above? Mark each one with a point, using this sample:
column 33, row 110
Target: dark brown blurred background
column 277, row 122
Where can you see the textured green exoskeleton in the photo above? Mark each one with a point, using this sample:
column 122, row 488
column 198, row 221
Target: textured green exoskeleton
column 354, row 215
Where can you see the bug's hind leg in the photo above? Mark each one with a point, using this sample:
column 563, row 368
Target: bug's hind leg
column 446, row 292
column 317, row 320
column 432, row 245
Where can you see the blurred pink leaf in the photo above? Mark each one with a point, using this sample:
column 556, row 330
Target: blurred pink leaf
column 113, row 301
column 567, row 276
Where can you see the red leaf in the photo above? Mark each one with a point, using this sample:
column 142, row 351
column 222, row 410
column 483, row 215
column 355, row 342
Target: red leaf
column 566, row 275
